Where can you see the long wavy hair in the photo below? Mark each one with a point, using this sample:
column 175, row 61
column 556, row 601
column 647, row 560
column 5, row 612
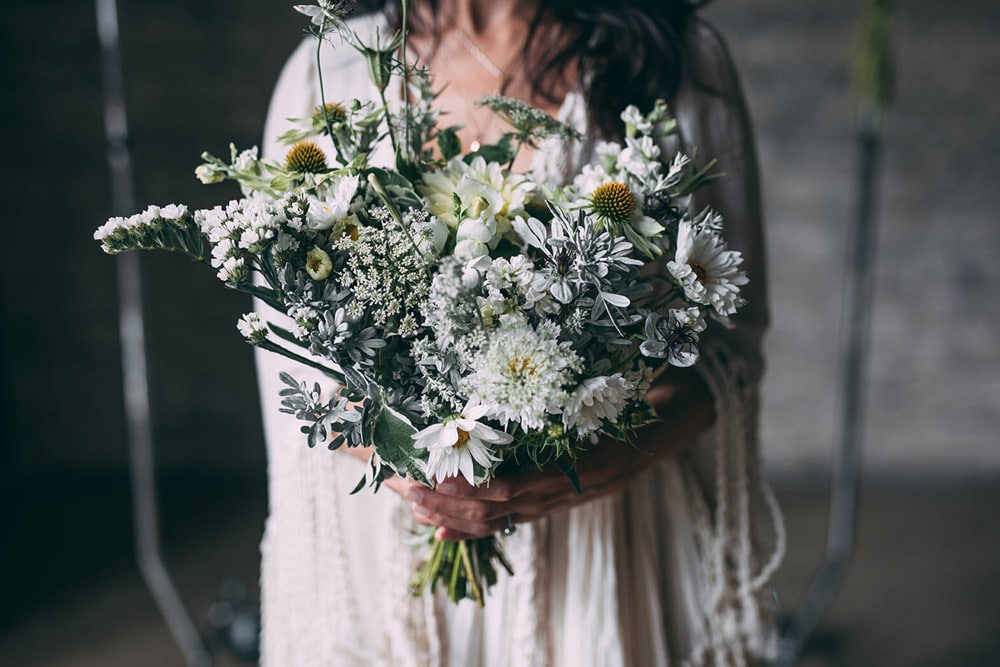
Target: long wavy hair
column 625, row 52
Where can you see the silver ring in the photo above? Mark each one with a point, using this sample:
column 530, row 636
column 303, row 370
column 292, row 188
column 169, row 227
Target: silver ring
column 509, row 529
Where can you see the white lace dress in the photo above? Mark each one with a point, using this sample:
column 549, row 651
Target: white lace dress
column 662, row 574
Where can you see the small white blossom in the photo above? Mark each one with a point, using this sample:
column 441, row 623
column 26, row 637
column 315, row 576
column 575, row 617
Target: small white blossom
column 246, row 160
column 635, row 119
column 318, row 264
column 252, row 328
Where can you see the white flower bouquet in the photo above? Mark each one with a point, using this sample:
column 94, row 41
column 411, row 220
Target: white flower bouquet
column 469, row 318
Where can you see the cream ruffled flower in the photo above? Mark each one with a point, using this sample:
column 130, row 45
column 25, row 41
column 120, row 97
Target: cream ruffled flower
column 597, row 399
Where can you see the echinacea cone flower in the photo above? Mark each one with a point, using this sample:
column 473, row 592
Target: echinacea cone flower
column 306, row 157
column 613, row 203
column 335, row 113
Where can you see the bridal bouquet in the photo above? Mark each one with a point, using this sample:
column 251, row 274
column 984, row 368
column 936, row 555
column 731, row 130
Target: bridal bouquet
column 468, row 316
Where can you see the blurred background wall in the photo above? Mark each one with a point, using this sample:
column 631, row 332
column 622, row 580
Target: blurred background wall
column 198, row 75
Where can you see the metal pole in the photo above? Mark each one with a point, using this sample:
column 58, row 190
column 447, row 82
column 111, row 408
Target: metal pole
column 873, row 81
column 132, row 332
column 847, row 467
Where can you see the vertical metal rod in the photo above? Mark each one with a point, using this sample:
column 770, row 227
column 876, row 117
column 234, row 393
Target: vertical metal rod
column 847, row 468
column 872, row 82
column 134, row 378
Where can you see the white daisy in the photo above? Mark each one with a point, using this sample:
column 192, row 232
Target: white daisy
column 707, row 272
column 456, row 443
column 334, row 206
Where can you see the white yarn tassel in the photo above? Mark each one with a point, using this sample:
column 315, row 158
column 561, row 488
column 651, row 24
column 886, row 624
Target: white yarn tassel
column 736, row 625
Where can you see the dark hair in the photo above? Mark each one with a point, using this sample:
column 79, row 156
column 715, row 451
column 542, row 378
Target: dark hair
column 627, row 52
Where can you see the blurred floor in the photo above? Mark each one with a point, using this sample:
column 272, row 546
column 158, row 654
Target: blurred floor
column 921, row 591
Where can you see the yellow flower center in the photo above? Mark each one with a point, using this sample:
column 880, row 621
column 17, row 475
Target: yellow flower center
column 306, row 157
column 520, row 367
column 613, row 202
column 463, row 437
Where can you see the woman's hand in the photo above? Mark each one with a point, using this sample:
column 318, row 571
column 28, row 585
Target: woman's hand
column 462, row 511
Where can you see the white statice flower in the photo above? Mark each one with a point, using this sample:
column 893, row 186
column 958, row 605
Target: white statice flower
column 252, row 328
column 213, row 222
column 596, row 400
column 222, row 251
column 294, row 207
column 233, row 270
column 706, row 270
column 173, row 211
column 334, row 205
column 521, row 372
column 455, row 444
column 116, row 232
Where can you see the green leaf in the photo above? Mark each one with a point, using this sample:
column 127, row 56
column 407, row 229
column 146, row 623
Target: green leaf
column 502, row 151
column 393, row 440
column 448, row 143
column 570, row 472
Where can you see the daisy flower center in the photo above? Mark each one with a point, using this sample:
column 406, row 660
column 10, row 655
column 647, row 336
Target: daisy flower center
column 463, row 437
column 613, row 202
column 698, row 270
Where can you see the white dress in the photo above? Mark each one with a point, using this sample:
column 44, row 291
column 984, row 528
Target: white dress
column 662, row 574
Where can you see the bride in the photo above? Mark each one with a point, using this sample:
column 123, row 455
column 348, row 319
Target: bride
column 657, row 562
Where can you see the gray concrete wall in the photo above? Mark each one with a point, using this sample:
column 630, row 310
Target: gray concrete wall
column 934, row 383
column 198, row 76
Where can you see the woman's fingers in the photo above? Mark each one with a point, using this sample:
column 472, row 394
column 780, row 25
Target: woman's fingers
column 460, row 507
column 457, row 528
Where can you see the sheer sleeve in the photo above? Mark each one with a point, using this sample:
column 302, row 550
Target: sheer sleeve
column 714, row 121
